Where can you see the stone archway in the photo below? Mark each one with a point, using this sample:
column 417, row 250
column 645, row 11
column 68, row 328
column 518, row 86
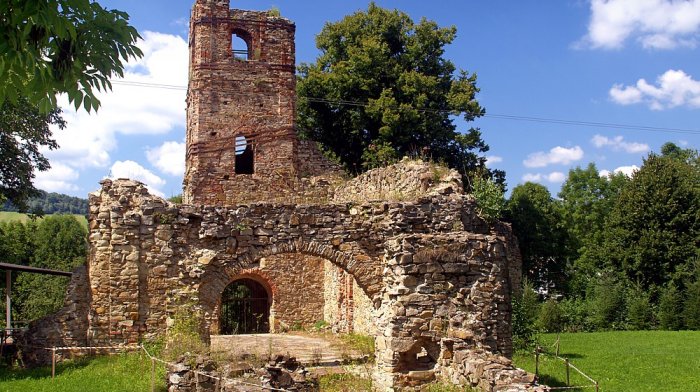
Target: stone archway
column 303, row 279
column 244, row 308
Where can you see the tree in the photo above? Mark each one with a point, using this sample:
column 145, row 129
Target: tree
column 653, row 231
column 49, row 47
column 24, row 131
column 59, row 242
column 381, row 89
column 543, row 242
column 586, row 200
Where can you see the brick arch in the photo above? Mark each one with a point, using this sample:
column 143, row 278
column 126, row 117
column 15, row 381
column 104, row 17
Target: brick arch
column 365, row 269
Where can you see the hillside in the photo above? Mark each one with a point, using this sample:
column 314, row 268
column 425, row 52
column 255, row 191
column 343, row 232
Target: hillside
column 53, row 203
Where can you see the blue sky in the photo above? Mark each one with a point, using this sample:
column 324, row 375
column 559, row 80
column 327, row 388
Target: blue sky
column 629, row 62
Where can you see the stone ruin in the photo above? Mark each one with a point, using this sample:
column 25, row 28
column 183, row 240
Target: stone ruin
column 272, row 235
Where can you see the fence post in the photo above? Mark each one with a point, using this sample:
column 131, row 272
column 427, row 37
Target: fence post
column 537, row 362
column 566, row 361
column 53, row 363
column 153, row 375
column 596, row 386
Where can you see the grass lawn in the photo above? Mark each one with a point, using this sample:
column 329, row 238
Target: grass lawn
column 6, row 216
column 624, row 361
column 117, row 373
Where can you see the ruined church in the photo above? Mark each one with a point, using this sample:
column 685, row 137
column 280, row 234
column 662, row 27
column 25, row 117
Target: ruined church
column 271, row 235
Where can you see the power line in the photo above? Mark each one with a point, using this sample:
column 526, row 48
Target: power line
column 544, row 120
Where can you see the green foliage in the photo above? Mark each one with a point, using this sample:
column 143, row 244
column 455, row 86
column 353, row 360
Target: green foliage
column 576, row 315
column 691, row 307
column 24, row 132
column 274, row 11
column 639, row 308
column 177, row 199
column 608, row 302
column 62, row 46
column 379, row 155
column 525, row 307
column 344, row 382
column 543, row 242
column 381, row 89
column 114, row 373
column 550, row 318
column 184, row 336
column 670, row 313
column 586, row 201
column 362, row 343
column 55, row 242
column 489, row 198
column 624, row 361
column 652, row 230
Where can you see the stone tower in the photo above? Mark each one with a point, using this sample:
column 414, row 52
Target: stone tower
column 240, row 105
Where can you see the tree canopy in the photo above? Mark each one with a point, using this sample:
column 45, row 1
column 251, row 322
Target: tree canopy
column 654, row 227
column 49, row 47
column 24, row 131
column 382, row 89
column 542, row 239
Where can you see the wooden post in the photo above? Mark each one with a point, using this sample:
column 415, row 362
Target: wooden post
column 53, row 363
column 566, row 360
column 153, row 375
column 8, row 303
column 596, row 386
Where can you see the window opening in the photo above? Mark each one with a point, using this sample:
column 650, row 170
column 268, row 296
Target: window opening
column 240, row 48
column 244, row 156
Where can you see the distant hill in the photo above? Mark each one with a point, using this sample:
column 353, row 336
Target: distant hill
column 53, row 203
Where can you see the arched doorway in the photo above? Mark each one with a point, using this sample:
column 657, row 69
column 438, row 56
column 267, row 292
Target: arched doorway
column 245, row 308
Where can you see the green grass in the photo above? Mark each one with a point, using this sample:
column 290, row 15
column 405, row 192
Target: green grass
column 6, row 216
column 620, row 361
column 118, row 373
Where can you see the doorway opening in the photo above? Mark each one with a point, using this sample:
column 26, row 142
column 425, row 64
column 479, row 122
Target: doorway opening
column 245, row 308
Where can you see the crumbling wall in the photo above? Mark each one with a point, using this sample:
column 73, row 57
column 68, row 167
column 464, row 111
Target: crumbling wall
column 407, row 180
column 65, row 328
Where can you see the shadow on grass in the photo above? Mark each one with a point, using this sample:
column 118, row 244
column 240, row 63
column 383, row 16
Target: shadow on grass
column 15, row 373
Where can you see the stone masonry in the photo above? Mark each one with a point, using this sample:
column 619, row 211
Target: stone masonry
column 398, row 253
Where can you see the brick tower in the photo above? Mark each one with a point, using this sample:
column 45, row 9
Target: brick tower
column 241, row 144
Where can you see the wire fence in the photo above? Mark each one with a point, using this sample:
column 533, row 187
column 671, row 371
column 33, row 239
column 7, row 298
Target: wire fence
column 567, row 367
column 218, row 380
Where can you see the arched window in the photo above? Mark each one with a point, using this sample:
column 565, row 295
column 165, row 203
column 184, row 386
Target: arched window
column 244, row 163
column 240, row 46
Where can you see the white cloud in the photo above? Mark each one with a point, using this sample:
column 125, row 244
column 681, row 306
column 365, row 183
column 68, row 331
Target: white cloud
column 674, row 88
column 618, row 143
column 134, row 171
column 168, row 158
column 655, row 24
column 89, row 139
column 59, row 178
column 626, row 170
column 557, row 155
column 553, row 177
column 491, row 159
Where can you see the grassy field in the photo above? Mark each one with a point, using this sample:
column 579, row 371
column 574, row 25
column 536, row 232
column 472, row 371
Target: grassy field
column 118, row 373
column 624, row 361
column 6, row 216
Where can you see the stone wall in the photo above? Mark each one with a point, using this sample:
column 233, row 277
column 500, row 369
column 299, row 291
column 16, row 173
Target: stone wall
column 299, row 299
column 407, row 180
column 427, row 276
column 65, row 328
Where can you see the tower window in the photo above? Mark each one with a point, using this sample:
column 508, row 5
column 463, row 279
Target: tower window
column 244, row 163
column 240, row 47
